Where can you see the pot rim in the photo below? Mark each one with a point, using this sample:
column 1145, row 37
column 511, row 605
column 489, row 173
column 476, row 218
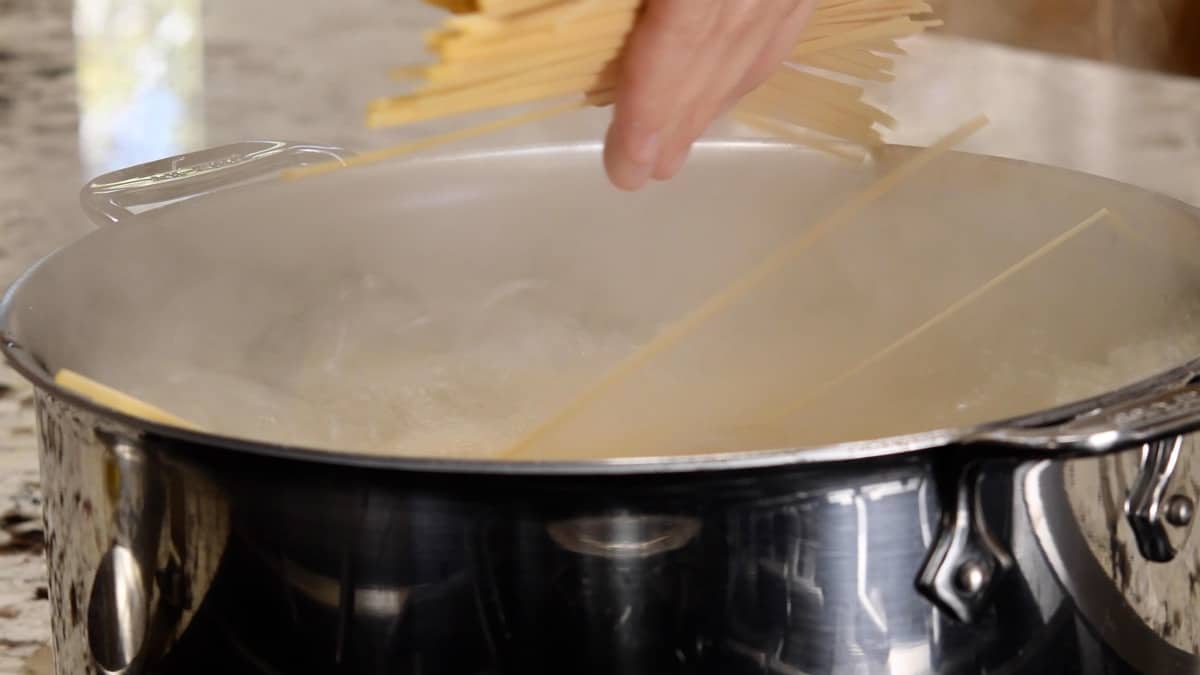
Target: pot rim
column 1048, row 432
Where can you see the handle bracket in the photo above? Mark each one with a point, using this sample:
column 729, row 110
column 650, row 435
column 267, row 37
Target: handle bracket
column 1165, row 407
column 966, row 560
column 1160, row 508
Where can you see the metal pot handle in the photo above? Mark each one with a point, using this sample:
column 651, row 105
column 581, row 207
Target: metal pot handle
column 966, row 560
column 108, row 199
column 1167, row 406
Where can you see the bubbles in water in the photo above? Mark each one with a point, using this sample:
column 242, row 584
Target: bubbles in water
column 370, row 368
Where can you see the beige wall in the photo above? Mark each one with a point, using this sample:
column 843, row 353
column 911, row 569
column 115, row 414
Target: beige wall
column 1157, row 34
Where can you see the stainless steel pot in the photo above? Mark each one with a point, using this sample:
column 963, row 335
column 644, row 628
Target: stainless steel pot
column 914, row 534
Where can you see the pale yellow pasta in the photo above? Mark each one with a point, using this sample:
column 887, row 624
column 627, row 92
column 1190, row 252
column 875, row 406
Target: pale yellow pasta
column 492, row 54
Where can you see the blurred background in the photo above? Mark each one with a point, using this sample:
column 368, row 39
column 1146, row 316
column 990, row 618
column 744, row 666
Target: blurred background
column 1161, row 35
column 87, row 86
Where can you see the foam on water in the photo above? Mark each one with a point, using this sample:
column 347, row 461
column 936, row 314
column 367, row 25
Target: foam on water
column 370, row 370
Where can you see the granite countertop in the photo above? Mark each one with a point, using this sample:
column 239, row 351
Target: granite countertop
column 300, row 70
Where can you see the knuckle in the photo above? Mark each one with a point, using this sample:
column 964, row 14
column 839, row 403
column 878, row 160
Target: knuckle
column 644, row 112
column 642, row 107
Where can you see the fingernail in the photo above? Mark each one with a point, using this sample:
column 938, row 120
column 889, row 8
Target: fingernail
column 645, row 149
column 669, row 169
column 638, row 164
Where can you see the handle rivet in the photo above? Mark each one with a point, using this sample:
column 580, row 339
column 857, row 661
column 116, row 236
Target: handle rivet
column 971, row 577
column 1180, row 510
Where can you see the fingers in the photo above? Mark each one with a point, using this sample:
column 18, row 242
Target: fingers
column 750, row 69
column 740, row 49
column 686, row 63
column 661, row 52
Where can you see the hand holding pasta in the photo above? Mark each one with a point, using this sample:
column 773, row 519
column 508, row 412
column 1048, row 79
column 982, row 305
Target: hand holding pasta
column 686, row 63
column 670, row 66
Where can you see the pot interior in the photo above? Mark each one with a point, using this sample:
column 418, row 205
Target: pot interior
column 446, row 306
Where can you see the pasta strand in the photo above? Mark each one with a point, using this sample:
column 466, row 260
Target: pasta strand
column 781, row 258
column 954, row 308
column 491, row 54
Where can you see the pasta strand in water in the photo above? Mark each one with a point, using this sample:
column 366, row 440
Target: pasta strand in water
column 790, row 408
column 117, row 400
column 780, row 259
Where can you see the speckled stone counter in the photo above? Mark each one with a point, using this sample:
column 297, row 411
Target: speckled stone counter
column 301, row 69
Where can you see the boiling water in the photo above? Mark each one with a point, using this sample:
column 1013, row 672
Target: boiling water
column 370, row 365
column 469, row 382
column 377, row 372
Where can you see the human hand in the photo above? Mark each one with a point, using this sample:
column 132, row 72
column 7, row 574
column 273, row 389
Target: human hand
column 686, row 63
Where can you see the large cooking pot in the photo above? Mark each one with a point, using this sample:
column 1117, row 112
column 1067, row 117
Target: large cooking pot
column 1005, row 487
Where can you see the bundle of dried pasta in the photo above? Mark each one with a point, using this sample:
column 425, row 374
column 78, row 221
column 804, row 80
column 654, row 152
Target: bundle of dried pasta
column 497, row 53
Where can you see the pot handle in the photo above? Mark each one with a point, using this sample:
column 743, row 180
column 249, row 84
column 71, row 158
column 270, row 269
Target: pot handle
column 1167, row 406
column 966, row 559
column 108, row 199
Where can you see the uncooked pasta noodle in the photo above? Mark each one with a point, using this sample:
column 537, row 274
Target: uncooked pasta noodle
column 111, row 398
column 434, row 141
column 497, row 54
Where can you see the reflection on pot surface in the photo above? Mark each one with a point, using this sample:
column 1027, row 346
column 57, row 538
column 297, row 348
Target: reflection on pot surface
column 264, row 566
column 133, row 542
